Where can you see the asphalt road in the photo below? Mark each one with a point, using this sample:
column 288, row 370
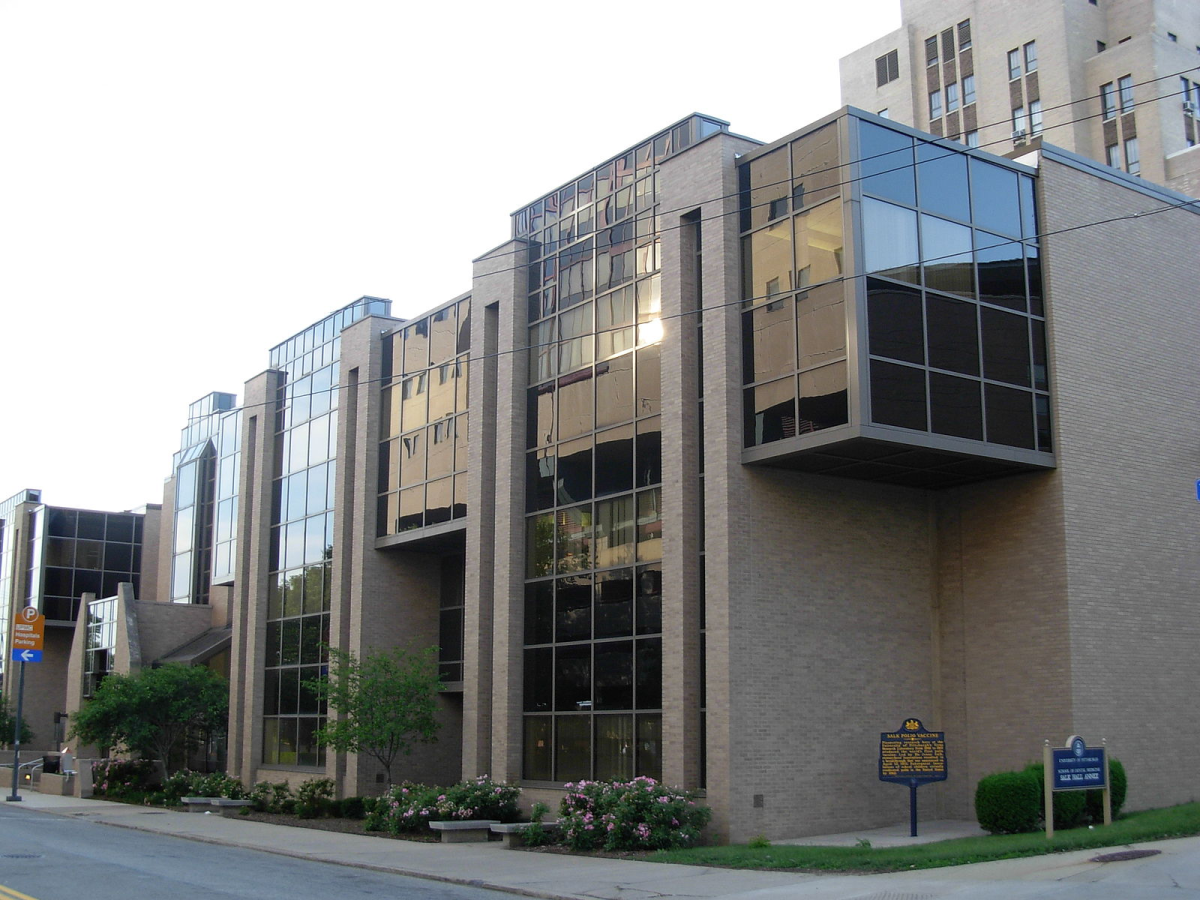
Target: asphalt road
column 57, row 858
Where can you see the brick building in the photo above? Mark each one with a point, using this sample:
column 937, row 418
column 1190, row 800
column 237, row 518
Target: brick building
column 734, row 456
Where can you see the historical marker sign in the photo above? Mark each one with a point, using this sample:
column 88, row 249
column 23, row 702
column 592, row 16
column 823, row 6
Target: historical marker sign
column 912, row 754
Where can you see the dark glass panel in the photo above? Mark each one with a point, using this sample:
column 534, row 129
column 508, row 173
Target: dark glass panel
column 994, row 195
column 1001, row 271
column 771, row 412
column 314, row 590
column 1005, row 346
column 91, row 526
column 539, row 612
column 649, row 746
column 614, row 748
column 574, row 482
column 1029, row 225
column 614, row 390
column 895, row 323
column 767, row 262
column 293, row 594
column 649, row 673
column 573, row 759
column 573, row 677
column 955, row 406
column 87, row 582
column 118, row 557
column 614, row 460
column 61, row 522
column 898, row 396
column 538, row 748
column 289, row 691
column 412, row 508
column 289, row 648
column 539, row 480
column 890, row 241
column 649, row 452
column 1009, row 416
column 1040, row 375
column 886, row 163
column 649, row 599
column 946, row 250
column 308, row 751
column 110, row 581
column 539, row 679
column 308, row 697
column 1034, row 262
column 120, row 528
column 573, row 609
column 272, row 645
column 575, row 413
column 1042, row 413
column 953, row 334
column 768, row 342
column 942, row 181
column 539, row 545
column 614, row 603
column 614, row 675
column 823, row 400
column 271, row 692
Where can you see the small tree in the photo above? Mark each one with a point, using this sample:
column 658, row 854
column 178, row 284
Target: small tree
column 387, row 703
column 8, row 727
column 153, row 711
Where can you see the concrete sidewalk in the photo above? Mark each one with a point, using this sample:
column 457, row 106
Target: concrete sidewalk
column 560, row 876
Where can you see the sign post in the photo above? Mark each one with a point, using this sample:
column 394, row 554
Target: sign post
column 29, row 632
column 1076, row 767
column 912, row 756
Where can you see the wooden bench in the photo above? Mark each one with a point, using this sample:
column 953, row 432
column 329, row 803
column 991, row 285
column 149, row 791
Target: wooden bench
column 513, row 833
column 466, row 831
column 224, row 805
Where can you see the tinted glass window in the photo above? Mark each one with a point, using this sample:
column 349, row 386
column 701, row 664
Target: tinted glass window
column 896, row 327
column 953, row 335
column 1009, row 416
column 898, row 395
column 942, row 177
column 885, row 163
column 1005, row 346
column 956, row 406
column 994, row 193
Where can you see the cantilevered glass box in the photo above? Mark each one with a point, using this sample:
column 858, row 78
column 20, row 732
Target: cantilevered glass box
column 893, row 319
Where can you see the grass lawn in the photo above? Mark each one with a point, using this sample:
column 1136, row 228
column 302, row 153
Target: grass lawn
column 1148, row 825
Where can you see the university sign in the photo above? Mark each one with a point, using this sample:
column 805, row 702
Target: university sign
column 1074, row 767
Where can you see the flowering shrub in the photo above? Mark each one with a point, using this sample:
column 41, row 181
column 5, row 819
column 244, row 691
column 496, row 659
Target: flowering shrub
column 119, row 778
column 411, row 807
column 314, row 798
column 272, row 798
column 635, row 815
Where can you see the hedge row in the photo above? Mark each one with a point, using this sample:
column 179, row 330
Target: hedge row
column 1013, row 802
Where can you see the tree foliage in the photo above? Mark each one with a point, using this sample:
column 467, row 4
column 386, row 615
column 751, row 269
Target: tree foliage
column 8, row 727
column 153, row 711
column 387, row 702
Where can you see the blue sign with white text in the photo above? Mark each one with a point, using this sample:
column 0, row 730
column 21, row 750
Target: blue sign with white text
column 1078, row 767
column 20, row 655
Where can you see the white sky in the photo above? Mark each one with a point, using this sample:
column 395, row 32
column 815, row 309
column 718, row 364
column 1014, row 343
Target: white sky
column 185, row 184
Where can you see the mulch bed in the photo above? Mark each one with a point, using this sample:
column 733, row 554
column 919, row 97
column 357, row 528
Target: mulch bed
column 344, row 826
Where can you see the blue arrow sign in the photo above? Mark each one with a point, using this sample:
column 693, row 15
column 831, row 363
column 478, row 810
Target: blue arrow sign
column 20, row 655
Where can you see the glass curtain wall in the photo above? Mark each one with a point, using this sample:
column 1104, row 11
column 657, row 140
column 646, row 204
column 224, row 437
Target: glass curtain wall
column 423, row 434
column 956, row 324
column 101, row 639
column 301, row 551
column 229, row 464
column 793, row 296
column 77, row 551
column 593, row 609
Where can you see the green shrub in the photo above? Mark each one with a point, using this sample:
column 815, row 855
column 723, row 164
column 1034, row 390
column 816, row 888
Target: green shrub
column 314, row 798
column 1009, row 802
column 352, row 807
column 272, row 797
column 635, row 815
column 537, row 835
column 411, row 807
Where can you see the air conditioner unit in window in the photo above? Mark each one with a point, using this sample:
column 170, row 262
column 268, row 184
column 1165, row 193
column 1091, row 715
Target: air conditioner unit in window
column 1018, row 136
column 1189, row 107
